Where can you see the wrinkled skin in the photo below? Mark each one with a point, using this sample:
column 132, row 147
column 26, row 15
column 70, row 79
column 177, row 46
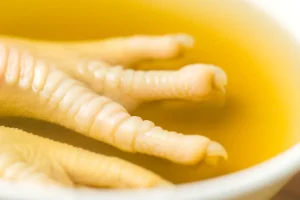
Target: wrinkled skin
column 76, row 85
column 32, row 159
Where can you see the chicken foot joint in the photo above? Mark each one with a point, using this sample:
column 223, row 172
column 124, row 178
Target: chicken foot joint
column 32, row 87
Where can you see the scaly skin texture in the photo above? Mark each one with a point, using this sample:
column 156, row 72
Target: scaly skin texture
column 54, row 84
column 31, row 159
column 129, row 87
column 33, row 88
column 125, row 51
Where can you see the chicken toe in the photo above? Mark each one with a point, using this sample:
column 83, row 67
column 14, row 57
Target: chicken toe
column 32, row 159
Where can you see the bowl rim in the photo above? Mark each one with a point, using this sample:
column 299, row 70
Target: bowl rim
column 250, row 180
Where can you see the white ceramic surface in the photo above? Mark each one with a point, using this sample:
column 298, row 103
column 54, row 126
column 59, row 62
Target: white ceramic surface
column 260, row 182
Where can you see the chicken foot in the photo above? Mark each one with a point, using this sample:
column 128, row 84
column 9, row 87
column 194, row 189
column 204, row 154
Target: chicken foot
column 33, row 88
column 128, row 87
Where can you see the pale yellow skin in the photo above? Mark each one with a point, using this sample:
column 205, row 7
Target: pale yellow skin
column 102, row 66
column 125, row 51
column 45, row 88
column 31, row 159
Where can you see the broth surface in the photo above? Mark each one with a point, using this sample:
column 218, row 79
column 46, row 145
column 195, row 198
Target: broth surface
column 252, row 123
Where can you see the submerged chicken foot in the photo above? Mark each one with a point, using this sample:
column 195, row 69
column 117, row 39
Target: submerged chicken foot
column 32, row 159
column 50, row 90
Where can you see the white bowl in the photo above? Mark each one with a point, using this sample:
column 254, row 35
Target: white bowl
column 258, row 182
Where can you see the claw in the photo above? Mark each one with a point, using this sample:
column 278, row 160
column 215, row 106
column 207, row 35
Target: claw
column 185, row 40
column 200, row 81
column 215, row 152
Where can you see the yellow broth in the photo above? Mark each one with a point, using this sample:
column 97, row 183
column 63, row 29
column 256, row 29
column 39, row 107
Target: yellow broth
column 254, row 122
